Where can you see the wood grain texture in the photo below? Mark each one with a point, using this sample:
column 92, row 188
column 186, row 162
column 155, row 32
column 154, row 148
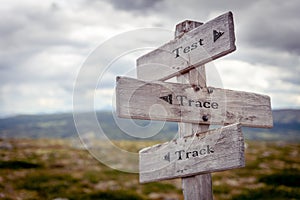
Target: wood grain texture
column 189, row 50
column 215, row 150
column 141, row 100
column 197, row 187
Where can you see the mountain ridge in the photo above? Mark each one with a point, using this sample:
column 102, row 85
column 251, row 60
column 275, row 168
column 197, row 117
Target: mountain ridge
column 61, row 125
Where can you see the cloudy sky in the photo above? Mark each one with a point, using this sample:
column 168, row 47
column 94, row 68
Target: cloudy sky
column 44, row 47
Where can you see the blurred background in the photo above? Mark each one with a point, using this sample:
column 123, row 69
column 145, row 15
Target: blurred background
column 44, row 48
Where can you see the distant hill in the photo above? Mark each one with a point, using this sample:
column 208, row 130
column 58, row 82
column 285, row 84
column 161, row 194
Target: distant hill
column 286, row 127
column 63, row 126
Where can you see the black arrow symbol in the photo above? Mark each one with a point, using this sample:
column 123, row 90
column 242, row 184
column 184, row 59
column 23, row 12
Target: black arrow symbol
column 217, row 34
column 167, row 98
column 167, row 157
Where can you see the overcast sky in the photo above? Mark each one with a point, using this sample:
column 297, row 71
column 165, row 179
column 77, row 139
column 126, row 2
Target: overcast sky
column 44, row 44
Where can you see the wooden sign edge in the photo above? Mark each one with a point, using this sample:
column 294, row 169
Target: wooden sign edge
column 232, row 47
column 240, row 155
column 121, row 115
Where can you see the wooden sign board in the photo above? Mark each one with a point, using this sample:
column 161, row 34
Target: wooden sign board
column 183, row 103
column 196, row 47
column 216, row 150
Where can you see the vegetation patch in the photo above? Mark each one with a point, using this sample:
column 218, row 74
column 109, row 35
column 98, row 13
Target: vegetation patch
column 158, row 187
column 18, row 165
column 109, row 195
column 287, row 177
column 222, row 189
column 28, row 172
column 269, row 193
column 47, row 185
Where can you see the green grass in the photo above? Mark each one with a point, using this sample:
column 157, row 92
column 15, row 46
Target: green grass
column 92, row 176
column 46, row 184
column 221, row 189
column 158, row 187
column 269, row 193
column 279, row 185
column 48, row 169
column 286, row 177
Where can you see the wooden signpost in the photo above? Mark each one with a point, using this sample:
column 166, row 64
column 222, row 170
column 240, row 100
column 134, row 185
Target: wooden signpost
column 183, row 103
column 197, row 151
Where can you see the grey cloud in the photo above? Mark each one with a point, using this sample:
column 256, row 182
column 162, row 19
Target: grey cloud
column 25, row 33
column 293, row 78
column 272, row 27
column 134, row 5
column 35, row 29
column 266, row 56
column 267, row 34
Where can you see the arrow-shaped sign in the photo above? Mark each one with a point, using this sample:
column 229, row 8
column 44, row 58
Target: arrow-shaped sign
column 181, row 103
column 196, row 47
column 212, row 151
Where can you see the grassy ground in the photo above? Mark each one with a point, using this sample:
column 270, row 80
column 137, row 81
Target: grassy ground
column 49, row 169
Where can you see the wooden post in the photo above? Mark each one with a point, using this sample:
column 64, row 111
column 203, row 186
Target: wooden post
column 196, row 187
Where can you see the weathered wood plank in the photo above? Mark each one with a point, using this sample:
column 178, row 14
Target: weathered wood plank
column 201, row 45
column 215, row 150
column 185, row 103
column 197, row 187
